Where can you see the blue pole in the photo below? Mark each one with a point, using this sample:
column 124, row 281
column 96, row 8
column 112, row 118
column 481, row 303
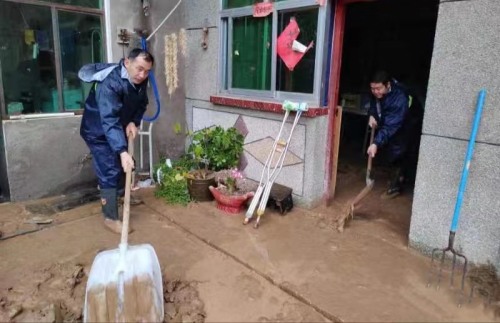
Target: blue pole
column 470, row 151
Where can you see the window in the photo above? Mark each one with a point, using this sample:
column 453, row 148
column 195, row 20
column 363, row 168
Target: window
column 42, row 47
column 248, row 66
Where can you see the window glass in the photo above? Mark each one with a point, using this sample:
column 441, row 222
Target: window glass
column 81, row 43
column 27, row 57
column 251, row 53
column 228, row 4
column 301, row 79
column 97, row 4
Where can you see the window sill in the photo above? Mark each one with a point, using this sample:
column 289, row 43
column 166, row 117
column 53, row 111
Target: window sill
column 42, row 115
column 260, row 105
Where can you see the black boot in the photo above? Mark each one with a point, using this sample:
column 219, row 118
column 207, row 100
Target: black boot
column 109, row 203
column 396, row 185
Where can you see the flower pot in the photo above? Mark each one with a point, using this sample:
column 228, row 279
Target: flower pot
column 230, row 203
column 198, row 188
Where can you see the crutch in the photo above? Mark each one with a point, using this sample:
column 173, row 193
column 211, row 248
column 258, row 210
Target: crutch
column 264, row 188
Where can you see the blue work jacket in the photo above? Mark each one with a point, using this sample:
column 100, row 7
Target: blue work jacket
column 391, row 113
column 113, row 102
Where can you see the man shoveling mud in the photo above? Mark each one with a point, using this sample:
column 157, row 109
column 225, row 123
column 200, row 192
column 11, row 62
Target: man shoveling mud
column 113, row 111
column 397, row 117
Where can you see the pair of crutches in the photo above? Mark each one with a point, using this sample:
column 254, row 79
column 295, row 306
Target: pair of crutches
column 270, row 173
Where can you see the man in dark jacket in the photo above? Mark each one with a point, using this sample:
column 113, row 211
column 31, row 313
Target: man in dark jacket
column 396, row 115
column 113, row 111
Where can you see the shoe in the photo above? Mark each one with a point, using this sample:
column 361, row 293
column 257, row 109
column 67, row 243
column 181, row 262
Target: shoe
column 115, row 226
column 391, row 193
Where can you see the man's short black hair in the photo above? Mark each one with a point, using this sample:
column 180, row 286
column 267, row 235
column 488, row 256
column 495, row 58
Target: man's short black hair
column 380, row 76
column 136, row 52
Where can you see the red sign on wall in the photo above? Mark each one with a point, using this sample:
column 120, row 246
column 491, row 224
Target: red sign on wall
column 262, row 9
column 289, row 50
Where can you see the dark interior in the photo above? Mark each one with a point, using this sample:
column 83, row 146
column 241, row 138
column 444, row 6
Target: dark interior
column 393, row 35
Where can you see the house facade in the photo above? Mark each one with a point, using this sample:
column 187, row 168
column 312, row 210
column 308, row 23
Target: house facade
column 229, row 75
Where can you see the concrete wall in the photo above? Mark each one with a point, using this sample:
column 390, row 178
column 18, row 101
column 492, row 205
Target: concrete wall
column 304, row 167
column 165, row 142
column 46, row 157
column 466, row 58
column 125, row 14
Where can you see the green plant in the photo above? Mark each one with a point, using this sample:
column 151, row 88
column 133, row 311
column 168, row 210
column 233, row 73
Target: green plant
column 172, row 181
column 216, row 148
column 231, row 180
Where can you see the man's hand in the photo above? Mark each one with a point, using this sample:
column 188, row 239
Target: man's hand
column 372, row 150
column 127, row 162
column 372, row 122
column 131, row 130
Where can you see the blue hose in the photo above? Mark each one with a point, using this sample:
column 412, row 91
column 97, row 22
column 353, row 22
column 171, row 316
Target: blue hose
column 152, row 80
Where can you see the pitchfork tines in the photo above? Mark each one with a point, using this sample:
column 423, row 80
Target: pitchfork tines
column 454, row 255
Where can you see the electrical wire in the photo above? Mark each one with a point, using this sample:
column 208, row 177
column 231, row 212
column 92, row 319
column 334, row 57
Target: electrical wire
column 161, row 24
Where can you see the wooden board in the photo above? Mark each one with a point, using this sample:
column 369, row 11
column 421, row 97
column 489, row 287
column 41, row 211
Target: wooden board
column 336, row 144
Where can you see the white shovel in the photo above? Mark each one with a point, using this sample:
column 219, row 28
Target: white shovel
column 125, row 284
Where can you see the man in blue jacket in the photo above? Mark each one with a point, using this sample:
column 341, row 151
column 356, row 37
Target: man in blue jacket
column 396, row 116
column 113, row 111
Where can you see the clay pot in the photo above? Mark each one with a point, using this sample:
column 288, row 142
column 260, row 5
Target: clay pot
column 232, row 204
column 198, row 188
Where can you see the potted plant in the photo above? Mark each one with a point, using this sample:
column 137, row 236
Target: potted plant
column 172, row 184
column 212, row 149
column 231, row 192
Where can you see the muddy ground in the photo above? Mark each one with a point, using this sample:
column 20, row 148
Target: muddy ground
column 295, row 267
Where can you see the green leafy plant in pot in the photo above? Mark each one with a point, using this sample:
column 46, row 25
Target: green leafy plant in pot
column 212, row 149
column 171, row 179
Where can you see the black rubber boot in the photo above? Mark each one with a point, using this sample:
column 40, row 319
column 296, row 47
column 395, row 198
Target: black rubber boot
column 109, row 203
column 396, row 185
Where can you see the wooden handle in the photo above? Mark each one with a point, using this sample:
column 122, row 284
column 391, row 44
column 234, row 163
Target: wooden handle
column 372, row 136
column 126, row 202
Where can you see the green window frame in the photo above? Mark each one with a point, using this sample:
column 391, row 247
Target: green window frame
column 249, row 65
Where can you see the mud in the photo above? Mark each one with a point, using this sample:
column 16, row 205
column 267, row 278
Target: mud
column 485, row 282
column 138, row 302
column 52, row 294
column 57, row 294
column 182, row 302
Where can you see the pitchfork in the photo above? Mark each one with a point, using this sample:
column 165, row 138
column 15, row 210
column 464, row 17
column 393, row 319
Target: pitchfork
column 456, row 215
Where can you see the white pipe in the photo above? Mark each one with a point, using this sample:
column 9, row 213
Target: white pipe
column 151, row 150
column 161, row 24
column 107, row 21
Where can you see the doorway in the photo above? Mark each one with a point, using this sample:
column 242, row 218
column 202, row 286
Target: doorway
column 396, row 36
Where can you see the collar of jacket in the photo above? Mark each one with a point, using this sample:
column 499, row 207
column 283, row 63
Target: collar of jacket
column 124, row 73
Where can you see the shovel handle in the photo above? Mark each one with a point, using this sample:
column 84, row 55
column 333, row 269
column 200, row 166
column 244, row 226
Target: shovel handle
column 369, row 167
column 126, row 202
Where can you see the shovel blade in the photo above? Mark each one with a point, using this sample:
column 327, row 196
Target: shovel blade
column 134, row 295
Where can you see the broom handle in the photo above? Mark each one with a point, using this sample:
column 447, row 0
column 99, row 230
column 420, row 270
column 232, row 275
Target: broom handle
column 126, row 202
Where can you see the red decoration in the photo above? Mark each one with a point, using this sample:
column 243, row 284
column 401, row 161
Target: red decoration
column 290, row 55
column 262, row 9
